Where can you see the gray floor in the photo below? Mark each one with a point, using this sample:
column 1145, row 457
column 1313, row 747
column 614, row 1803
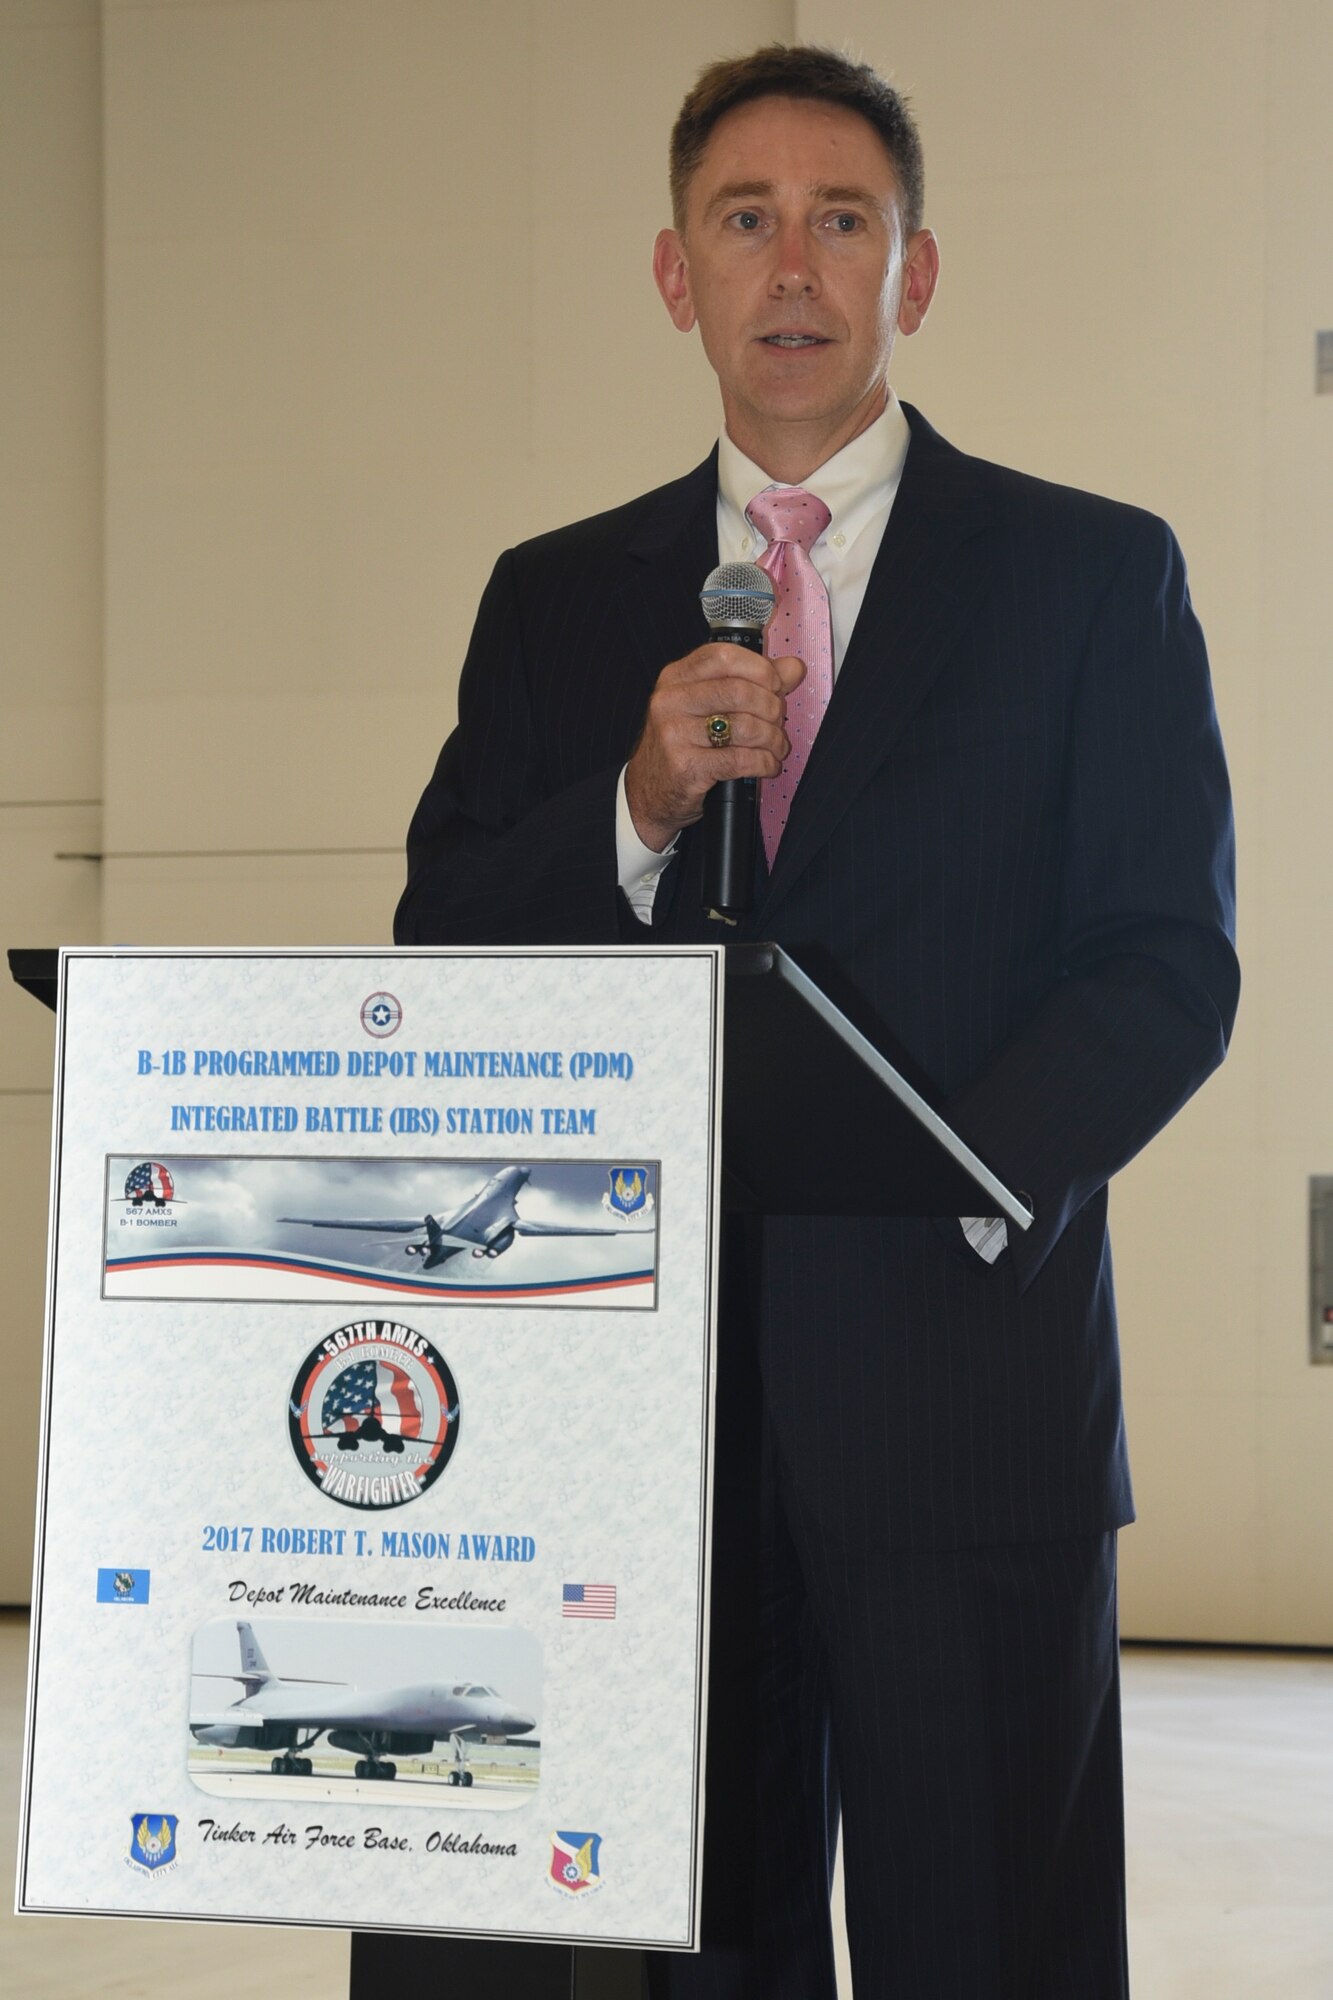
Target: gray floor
column 1229, row 1762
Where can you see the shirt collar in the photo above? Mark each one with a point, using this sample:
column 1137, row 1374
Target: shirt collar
column 856, row 484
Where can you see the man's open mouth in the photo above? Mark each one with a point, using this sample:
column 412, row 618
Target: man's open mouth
column 794, row 340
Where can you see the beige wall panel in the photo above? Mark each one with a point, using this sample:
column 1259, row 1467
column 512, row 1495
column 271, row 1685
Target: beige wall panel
column 316, row 899
column 49, row 166
column 1283, row 1208
column 46, row 902
column 50, row 400
column 50, row 609
column 25, row 1169
column 275, row 771
column 1296, row 1470
column 302, row 276
column 47, row 15
column 1290, row 1004
column 1289, row 993
column 1052, row 305
column 1048, row 89
column 1193, row 1565
column 1169, row 1203
column 1296, row 1417
column 1297, row 273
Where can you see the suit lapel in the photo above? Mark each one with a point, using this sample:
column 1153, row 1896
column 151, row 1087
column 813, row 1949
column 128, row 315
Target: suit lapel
column 931, row 569
column 671, row 552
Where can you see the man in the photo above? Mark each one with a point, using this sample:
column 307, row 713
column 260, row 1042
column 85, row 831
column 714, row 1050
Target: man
column 1005, row 838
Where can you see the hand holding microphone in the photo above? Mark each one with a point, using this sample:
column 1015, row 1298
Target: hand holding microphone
column 682, row 757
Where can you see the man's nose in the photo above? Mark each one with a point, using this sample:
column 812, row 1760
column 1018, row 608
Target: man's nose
column 793, row 269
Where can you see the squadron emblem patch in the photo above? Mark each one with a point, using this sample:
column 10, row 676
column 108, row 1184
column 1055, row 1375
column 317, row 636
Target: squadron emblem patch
column 628, row 1193
column 575, row 1863
column 373, row 1414
column 152, row 1843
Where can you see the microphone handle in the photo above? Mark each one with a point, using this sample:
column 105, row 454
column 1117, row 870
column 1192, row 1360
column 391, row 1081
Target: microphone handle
column 731, row 819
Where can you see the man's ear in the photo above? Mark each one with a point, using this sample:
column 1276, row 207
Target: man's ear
column 671, row 270
column 921, row 273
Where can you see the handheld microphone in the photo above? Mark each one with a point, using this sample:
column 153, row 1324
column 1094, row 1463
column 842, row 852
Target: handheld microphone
column 737, row 600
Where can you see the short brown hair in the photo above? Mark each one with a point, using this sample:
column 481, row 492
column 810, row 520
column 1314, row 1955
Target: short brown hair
column 780, row 70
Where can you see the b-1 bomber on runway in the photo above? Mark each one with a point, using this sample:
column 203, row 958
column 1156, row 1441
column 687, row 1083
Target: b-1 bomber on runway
column 288, row 1718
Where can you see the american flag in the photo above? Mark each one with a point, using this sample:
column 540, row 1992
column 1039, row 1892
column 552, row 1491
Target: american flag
column 588, row 1600
column 372, row 1388
column 149, row 1181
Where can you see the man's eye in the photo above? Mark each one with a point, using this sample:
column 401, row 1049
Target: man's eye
column 747, row 219
column 846, row 225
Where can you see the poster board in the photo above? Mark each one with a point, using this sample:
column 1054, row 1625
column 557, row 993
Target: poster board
column 371, row 1564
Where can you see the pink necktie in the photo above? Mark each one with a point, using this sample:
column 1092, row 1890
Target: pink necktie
column 791, row 522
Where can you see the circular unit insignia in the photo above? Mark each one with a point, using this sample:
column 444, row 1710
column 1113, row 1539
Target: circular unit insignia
column 373, row 1416
column 381, row 1015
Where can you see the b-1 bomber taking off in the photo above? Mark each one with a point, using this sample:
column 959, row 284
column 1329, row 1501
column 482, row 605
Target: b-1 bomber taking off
column 486, row 1224
column 287, row 1717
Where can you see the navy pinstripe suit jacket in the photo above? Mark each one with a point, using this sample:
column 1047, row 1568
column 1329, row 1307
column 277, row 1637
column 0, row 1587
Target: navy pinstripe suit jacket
column 1011, row 847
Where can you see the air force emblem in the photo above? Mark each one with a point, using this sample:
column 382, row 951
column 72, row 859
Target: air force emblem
column 152, row 1843
column 628, row 1193
column 381, row 1015
column 575, row 1859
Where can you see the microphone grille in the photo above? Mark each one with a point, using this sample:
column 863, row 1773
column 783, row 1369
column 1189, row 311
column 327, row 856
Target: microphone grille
column 738, row 594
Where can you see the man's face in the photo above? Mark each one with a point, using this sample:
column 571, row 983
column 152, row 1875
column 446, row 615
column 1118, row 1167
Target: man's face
column 794, row 267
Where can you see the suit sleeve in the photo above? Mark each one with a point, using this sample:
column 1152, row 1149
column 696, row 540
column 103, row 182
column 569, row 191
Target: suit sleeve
column 1148, row 982
column 496, row 854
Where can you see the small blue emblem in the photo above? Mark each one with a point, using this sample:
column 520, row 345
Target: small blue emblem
column 628, row 1194
column 122, row 1586
column 152, row 1842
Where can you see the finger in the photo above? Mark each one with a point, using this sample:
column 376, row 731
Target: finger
column 729, row 697
column 748, row 732
column 721, row 661
column 740, row 763
column 753, row 717
column 790, row 671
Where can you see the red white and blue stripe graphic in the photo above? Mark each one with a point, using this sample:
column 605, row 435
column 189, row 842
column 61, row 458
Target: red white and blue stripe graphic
column 337, row 1277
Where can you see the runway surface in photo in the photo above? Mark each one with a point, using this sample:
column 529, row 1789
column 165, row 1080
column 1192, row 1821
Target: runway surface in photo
column 341, row 1787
